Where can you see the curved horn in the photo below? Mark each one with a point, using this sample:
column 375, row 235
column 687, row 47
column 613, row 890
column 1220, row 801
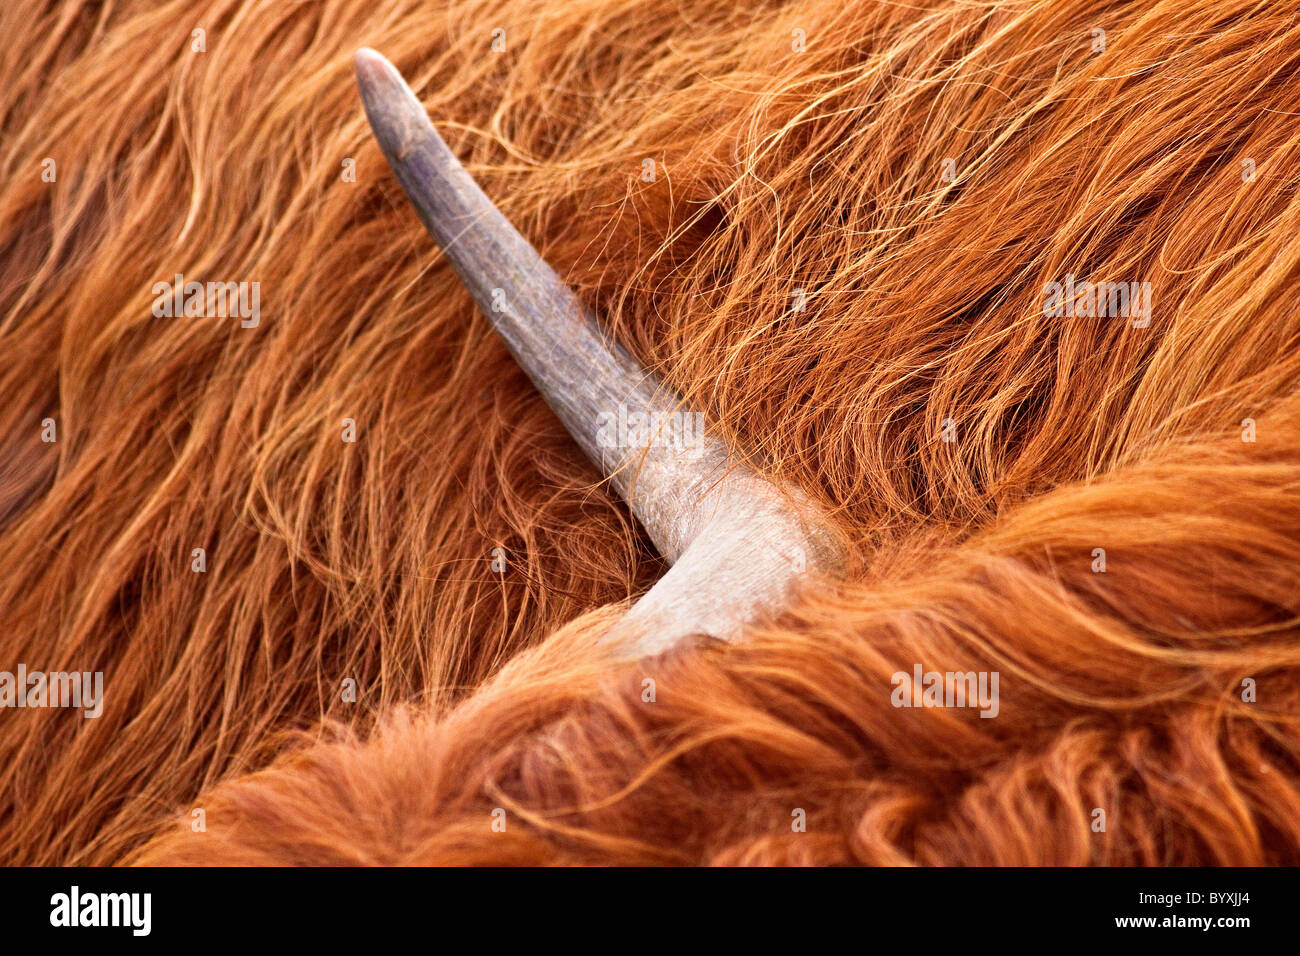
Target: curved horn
column 736, row 541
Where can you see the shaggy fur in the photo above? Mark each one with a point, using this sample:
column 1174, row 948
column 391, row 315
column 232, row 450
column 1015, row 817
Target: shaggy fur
column 777, row 169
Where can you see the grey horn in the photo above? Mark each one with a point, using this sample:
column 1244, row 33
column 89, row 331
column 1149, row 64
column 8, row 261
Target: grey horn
column 736, row 541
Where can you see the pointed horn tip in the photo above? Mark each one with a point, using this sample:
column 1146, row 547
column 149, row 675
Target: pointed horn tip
column 396, row 115
column 371, row 66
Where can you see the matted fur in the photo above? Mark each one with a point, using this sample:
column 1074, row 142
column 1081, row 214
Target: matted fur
column 778, row 170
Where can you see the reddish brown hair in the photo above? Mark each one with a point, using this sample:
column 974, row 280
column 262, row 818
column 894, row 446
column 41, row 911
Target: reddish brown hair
column 920, row 172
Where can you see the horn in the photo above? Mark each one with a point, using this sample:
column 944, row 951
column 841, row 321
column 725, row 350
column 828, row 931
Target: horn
column 736, row 541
